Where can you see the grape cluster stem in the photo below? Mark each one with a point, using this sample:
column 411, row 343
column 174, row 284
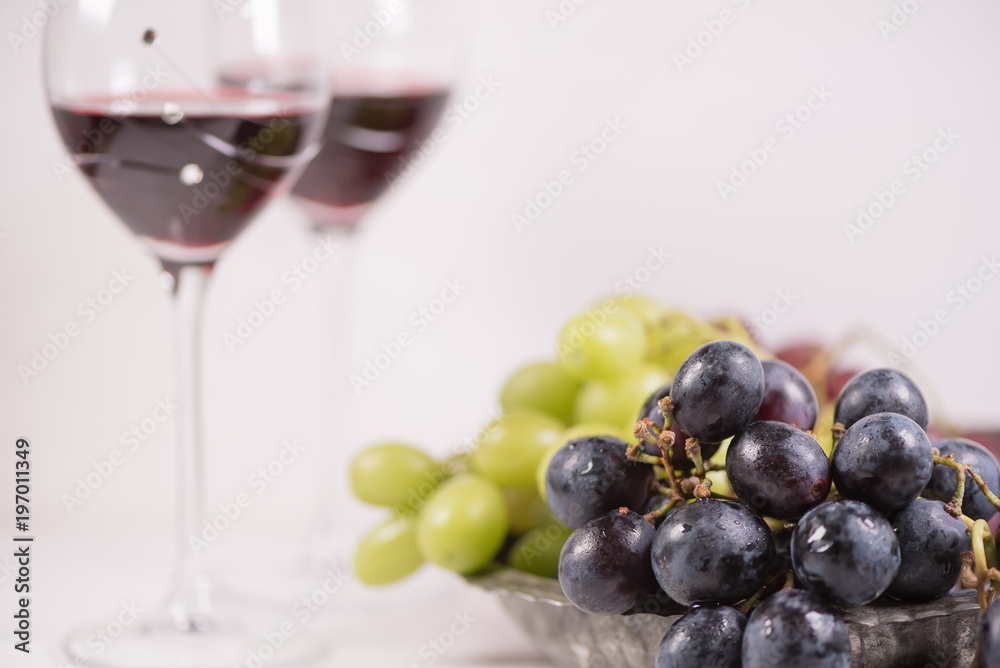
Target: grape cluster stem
column 979, row 565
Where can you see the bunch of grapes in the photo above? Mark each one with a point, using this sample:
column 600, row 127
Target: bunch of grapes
column 487, row 505
column 766, row 498
column 767, row 568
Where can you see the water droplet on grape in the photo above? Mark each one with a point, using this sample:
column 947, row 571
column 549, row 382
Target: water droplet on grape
column 590, row 466
column 191, row 174
column 172, row 113
column 868, row 523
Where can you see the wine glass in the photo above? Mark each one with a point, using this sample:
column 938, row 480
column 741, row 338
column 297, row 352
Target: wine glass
column 395, row 63
column 141, row 95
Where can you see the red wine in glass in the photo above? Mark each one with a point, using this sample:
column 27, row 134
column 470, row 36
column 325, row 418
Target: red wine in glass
column 370, row 134
column 188, row 176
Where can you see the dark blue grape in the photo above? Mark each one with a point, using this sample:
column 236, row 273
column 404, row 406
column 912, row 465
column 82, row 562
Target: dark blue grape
column 778, row 470
column 982, row 461
column 795, row 629
column 846, row 552
column 707, row 637
column 712, row 551
column 604, row 567
column 989, row 636
column 651, row 410
column 591, row 476
column 880, row 391
column 788, row 396
column 717, row 390
column 884, row 460
column 931, row 543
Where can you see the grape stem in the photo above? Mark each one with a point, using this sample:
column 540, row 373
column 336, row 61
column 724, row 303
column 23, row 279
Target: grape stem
column 786, row 575
column 657, row 513
column 642, row 457
column 666, row 406
column 693, row 450
column 979, row 565
column 960, row 471
column 642, row 431
column 664, row 442
column 979, row 561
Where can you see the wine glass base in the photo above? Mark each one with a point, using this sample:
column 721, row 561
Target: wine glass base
column 229, row 643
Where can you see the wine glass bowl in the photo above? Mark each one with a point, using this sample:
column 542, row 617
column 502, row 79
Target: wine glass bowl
column 394, row 67
column 178, row 149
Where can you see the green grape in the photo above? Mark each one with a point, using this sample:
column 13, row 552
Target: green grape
column 677, row 336
column 464, row 524
column 543, row 387
column 578, row 431
column 526, row 510
column 720, row 483
column 395, row 475
column 599, row 344
column 508, row 450
column 823, row 431
column 618, row 401
column 389, row 552
column 648, row 311
column 538, row 550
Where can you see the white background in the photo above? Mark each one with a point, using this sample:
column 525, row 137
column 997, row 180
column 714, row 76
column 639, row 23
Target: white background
column 654, row 186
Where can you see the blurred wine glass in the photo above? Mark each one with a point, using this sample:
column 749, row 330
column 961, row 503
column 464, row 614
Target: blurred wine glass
column 395, row 64
column 186, row 156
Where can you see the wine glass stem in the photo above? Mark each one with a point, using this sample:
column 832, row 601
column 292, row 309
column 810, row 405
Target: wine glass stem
column 336, row 308
column 189, row 603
